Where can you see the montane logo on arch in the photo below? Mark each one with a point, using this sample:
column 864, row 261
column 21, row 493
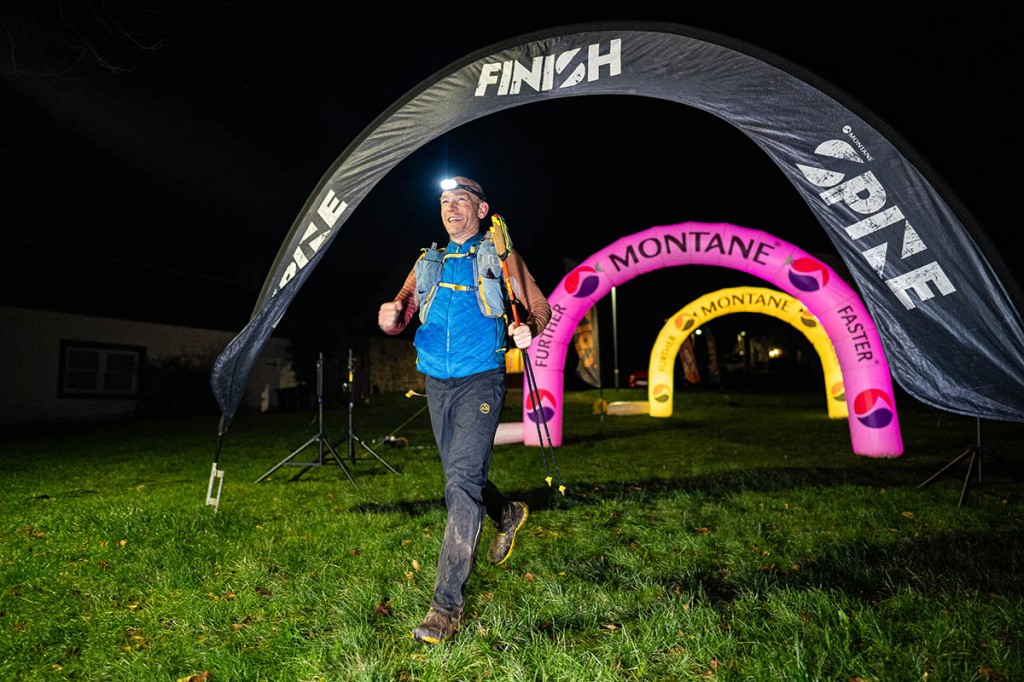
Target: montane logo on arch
column 874, row 408
column 582, row 282
column 547, row 72
column 544, row 403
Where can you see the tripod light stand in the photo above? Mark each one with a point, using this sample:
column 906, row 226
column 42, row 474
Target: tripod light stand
column 353, row 439
column 973, row 454
column 320, row 439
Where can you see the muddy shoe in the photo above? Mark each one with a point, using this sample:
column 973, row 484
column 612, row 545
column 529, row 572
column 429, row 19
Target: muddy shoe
column 505, row 540
column 437, row 627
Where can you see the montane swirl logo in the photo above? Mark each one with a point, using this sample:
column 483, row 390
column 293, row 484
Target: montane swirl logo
column 582, row 282
column 807, row 274
column 874, row 408
column 544, row 403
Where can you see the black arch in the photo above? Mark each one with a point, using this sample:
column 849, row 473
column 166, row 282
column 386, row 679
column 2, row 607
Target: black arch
column 927, row 272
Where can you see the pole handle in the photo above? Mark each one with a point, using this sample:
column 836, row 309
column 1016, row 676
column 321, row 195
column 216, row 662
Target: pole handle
column 503, row 245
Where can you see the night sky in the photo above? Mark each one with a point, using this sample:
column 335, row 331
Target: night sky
column 154, row 157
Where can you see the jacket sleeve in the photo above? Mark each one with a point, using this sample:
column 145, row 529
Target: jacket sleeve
column 410, row 303
column 529, row 294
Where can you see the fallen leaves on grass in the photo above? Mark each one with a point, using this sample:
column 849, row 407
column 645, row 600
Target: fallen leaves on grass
column 199, row 677
column 223, row 595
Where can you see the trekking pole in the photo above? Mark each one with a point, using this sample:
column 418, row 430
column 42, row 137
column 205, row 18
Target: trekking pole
column 503, row 245
column 539, row 411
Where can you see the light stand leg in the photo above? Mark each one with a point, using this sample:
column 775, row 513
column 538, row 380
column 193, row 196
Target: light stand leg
column 353, row 438
column 320, row 439
column 973, row 455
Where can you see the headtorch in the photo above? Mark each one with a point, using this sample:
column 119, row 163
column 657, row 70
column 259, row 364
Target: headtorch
column 449, row 184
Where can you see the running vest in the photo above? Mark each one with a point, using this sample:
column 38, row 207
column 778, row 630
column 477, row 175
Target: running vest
column 461, row 294
column 487, row 277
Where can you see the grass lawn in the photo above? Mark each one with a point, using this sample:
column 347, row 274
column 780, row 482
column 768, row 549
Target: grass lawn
column 739, row 539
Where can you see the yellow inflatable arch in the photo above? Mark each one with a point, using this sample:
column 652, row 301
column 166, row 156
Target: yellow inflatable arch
column 740, row 300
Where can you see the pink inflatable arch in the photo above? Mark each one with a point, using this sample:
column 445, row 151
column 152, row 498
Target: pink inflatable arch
column 874, row 425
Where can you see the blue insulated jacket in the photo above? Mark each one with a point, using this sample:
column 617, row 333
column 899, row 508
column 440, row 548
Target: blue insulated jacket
column 455, row 338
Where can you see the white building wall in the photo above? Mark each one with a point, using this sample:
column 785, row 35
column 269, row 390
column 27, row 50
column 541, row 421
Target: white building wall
column 30, row 362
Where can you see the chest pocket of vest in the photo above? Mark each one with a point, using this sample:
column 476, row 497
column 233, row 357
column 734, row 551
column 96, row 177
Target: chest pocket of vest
column 428, row 274
column 490, row 281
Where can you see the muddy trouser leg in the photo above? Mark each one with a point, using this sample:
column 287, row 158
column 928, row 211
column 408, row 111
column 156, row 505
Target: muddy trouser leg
column 464, row 414
column 495, row 503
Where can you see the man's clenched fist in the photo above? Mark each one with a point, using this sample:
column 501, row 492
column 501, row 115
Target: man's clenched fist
column 521, row 335
column 387, row 316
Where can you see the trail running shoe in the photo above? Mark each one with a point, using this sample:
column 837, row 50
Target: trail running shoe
column 437, row 627
column 505, row 540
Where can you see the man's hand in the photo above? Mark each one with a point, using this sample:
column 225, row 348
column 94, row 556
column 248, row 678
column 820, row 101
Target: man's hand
column 521, row 335
column 387, row 316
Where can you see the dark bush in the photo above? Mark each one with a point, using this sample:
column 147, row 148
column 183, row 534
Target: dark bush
column 179, row 386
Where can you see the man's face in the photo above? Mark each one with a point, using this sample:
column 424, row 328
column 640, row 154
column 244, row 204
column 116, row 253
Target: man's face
column 461, row 213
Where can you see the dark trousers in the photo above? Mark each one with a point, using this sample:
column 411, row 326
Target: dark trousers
column 464, row 414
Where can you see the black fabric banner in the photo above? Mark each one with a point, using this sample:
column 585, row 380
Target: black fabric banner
column 945, row 306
